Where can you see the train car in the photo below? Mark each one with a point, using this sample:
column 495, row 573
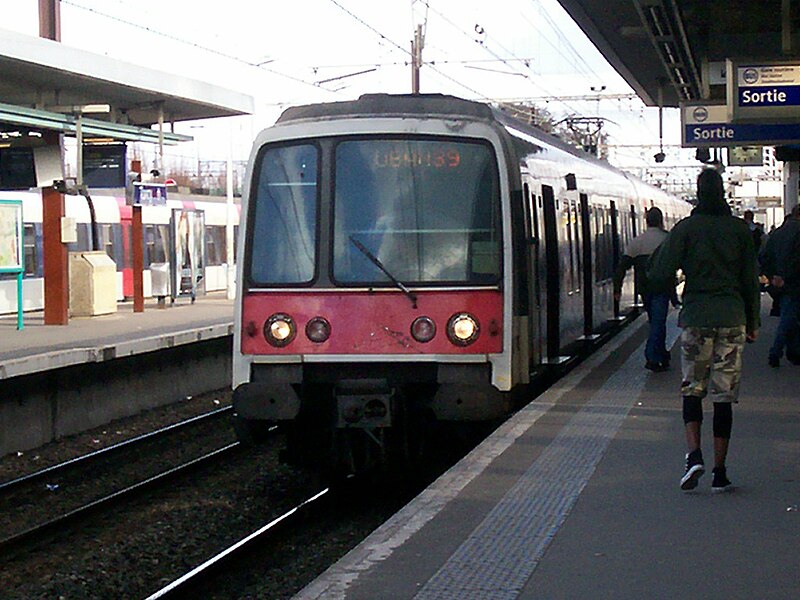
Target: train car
column 408, row 258
column 114, row 226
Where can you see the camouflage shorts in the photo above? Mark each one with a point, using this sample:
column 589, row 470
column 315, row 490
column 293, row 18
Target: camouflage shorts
column 712, row 362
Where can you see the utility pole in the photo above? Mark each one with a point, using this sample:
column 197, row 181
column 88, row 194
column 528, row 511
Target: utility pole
column 416, row 59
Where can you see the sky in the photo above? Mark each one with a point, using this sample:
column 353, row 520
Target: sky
column 286, row 53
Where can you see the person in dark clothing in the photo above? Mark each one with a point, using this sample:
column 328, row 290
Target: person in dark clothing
column 720, row 311
column 656, row 299
column 756, row 230
column 779, row 262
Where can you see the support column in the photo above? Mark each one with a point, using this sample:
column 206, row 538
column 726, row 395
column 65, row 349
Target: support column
column 791, row 183
column 50, row 19
column 56, row 267
column 137, row 245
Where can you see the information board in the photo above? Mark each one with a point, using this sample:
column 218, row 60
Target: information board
column 708, row 126
column 765, row 91
column 104, row 165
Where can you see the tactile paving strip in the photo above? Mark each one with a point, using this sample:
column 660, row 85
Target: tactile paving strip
column 500, row 555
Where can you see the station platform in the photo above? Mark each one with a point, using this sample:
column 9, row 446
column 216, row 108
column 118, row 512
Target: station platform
column 38, row 347
column 577, row 496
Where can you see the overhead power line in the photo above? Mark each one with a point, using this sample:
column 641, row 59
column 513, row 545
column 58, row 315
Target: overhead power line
column 257, row 65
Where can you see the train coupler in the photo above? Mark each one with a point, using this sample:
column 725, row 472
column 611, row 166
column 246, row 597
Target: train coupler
column 364, row 403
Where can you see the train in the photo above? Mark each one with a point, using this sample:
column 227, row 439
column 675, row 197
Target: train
column 409, row 259
column 114, row 227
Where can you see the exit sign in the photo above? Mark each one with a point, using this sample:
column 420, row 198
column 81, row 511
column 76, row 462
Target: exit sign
column 763, row 91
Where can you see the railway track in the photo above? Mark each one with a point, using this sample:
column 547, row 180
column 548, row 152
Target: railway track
column 40, row 532
column 202, row 574
column 55, row 471
column 33, row 490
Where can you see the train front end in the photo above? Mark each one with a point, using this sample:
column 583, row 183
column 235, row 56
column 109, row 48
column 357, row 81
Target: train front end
column 371, row 290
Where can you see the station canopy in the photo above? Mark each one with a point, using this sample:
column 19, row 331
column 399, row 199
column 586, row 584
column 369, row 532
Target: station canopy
column 677, row 46
column 45, row 85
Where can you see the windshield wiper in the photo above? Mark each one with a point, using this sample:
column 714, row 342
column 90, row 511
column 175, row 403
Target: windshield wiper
column 376, row 261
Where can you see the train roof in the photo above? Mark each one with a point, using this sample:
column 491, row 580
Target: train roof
column 424, row 105
column 371, row 105
column 440, row 106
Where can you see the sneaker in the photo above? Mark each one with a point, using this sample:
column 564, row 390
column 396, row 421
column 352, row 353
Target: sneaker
column 774, row 362
column 720, row 483
column 656, row 367
column 694, row 470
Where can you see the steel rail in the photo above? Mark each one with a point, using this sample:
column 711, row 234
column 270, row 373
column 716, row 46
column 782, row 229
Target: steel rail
column 124, row 494
column 201, row 573
column 104, row 452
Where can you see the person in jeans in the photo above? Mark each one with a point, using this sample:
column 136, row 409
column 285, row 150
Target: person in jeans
column 656, row 298
column 720, row 311
column 779, row 262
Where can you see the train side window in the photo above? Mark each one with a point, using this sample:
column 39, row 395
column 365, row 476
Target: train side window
column 598, row 244
column 215, row 245
column 127, row 242
column 156, row 239
column 526, row 199
column 577, row 232
column 567, row 216
column 107, row 239
column 29, row 250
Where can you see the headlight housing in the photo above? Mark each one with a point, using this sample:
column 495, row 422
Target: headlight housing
column 423, row 329
column 463, row 329
column 318, row 330
column 279, row 330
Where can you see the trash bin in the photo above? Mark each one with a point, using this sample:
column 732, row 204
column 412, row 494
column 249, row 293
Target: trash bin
column 159, row 281
column 92, row 284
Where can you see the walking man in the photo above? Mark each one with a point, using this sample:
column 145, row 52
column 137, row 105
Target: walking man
column 720, row 311
column 779, row 262
column 656, row 298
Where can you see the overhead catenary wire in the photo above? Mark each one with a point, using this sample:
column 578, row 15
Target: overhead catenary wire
column 259, row 65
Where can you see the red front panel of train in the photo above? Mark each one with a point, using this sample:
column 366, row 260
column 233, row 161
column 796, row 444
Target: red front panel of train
column 373, row 323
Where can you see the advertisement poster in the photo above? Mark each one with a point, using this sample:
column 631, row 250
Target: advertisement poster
column 10, row 235
column 188, row 233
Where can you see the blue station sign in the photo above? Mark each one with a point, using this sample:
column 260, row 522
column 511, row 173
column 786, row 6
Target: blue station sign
column 707, row 125
column 763, row 92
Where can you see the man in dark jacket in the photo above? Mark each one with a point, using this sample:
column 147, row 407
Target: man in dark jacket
column 779, row 262
column 720, row 311
column 656, row 298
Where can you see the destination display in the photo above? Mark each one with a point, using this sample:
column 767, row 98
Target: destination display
column 707, row 126
column 763, row 92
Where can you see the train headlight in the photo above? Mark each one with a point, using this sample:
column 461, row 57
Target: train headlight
column 318, row 330
column 279, row 330
column 462, row 329
column 423, row 329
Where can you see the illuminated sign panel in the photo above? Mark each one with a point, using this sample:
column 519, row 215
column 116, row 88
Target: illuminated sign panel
column 767, row 91
column 708, row 126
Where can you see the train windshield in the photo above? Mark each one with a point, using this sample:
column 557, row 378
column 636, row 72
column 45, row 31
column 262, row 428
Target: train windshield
column 428, row 211
column 284, row 231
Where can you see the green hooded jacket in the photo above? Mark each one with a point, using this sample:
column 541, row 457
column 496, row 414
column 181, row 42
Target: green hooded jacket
column 718, row 260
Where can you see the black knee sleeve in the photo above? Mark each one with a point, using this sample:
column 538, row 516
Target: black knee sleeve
column 692, row 409
column 723, row 419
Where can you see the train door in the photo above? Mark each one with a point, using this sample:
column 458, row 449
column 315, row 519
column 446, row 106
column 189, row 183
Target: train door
column 553, row 277
column 588, row 283
column 635, row 218
column 533, row 203
column 615, row 247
